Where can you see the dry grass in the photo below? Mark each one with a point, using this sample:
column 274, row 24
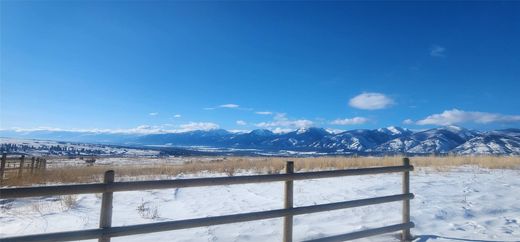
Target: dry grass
column 260, row 165
column 148, row 210
column 68, row 202
column 64, row 203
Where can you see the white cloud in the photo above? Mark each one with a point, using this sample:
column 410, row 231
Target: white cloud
column 456, row 116
column 407, row 121
column 350, row 121
column 264, row 113
column 279, row 130
column 280, row 116
column 300, row 123
column 177, row 116
column 153, row 114
column 281, row 122
column 370, row 101
column 141, row 129
column 437, row 51
column 239, row 131
column 198, row 126
column 43, row 128
column 241, row 122
column 230, row 105
column 335, row 131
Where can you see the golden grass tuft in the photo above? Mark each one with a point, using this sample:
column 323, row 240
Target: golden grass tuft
column 258, row 165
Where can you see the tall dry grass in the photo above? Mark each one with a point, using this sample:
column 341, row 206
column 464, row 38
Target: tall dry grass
column 259, row 165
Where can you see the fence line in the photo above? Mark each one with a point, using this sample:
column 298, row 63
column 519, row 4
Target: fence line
column 195, row 182
column 106, row 231
column 20, row 166
column 288, row 220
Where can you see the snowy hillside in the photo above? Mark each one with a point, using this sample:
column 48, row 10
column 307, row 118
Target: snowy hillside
column 74, row 149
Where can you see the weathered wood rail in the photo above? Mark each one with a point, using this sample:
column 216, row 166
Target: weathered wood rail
column 108, row 187
column 21, row 165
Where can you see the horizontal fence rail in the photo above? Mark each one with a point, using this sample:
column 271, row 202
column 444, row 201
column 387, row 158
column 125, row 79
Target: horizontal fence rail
column 365, row 233
column 106, row 231
column 210, row 221
column 195, row 182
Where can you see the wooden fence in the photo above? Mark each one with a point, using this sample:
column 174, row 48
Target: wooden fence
column 21, row 165
column 108, row 187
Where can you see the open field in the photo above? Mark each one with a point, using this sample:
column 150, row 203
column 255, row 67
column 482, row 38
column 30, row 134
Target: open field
column 76, row 171
column 455, row 198
column 452, row 203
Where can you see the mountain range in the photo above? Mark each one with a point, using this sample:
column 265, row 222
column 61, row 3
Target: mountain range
column 389, row 140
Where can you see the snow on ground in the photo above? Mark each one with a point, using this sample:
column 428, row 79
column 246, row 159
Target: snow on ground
column 464, row 204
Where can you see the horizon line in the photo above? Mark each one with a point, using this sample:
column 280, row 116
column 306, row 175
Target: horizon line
column 140, row 130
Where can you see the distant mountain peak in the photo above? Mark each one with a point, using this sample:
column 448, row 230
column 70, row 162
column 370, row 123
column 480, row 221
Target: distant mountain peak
column 389, row 140
column 312, row 130
column 261, row 132
column 208, row 132
column 393, row 130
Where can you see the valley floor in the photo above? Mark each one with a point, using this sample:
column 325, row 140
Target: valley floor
column 462, row 204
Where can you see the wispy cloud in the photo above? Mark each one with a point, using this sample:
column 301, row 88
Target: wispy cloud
column 371, row 101
column 241, row 122
column 281, row 121
column 300, row 123
column 408, row 121
column 239, row 131
column 437, row 51
column 153, row 114
column 335, row 131
column 350, row 121
column 264, row 113
column 177, row 116
column 280, row 116
column 229, row 105
column 279, row 130
column 198, row 126
column 456, row 116
column 141, row 129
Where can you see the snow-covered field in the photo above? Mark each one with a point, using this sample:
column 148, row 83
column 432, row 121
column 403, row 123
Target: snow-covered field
column 47, row 147
column 463, row 204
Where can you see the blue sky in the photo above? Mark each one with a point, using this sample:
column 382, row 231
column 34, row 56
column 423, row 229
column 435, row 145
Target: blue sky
column 245, row 65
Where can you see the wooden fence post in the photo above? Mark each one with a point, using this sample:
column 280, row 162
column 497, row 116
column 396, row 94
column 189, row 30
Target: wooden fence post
column 2, row 167
column 105, row 218
column 32, row 165
column 406, row 236
column 20, row 169
column 37, row 164
column 288, row 219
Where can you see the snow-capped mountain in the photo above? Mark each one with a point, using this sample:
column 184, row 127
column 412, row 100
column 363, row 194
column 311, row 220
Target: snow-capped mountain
column 438, row 140
column 390, row 140
column 494, row 142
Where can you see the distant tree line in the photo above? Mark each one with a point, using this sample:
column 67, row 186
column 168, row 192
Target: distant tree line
column 51, row 149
